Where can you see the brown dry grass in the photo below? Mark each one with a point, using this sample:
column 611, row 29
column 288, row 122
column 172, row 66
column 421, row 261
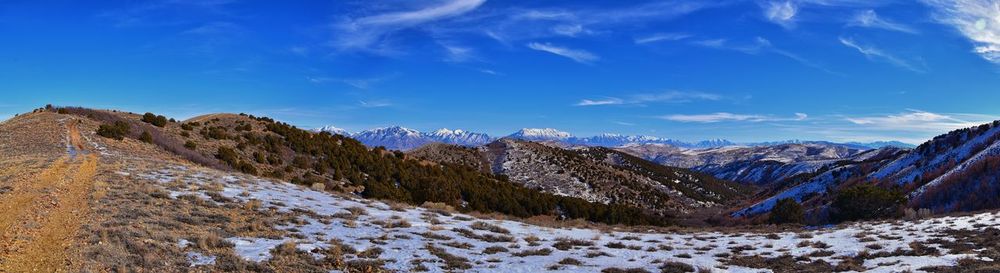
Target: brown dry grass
column 42, row 215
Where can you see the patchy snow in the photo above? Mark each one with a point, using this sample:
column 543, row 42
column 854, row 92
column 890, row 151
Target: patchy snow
column 904, row 170
column 403, row 235
column 197, row 259
column 254, row 249
column 182, row 243
column 992, row 150
column 815, row 185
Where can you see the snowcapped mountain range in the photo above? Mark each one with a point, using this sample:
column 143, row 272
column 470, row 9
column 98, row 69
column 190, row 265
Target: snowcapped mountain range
column 401, row 138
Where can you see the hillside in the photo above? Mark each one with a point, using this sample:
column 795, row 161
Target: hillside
column 76, row 201
column 594, row 174
column 755, row 165
column 953, row 172
column 261, row 146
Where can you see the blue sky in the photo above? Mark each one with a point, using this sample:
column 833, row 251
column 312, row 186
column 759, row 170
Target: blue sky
column 841, row 70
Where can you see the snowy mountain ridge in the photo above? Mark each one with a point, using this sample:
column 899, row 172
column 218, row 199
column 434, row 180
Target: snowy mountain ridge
column 402, row 138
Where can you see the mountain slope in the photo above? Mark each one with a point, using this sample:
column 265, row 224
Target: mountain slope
column 757, row 165
column 595, row 174
column 956, row 171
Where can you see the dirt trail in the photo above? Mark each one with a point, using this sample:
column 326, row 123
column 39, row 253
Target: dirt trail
column 40, row 217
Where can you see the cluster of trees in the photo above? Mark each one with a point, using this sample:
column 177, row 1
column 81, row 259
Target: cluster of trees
column 215, row 132
column 155, row 120
column 977, row 187
column 231, row 158
column 117, row 130
column 867, row 202
column 787, row 211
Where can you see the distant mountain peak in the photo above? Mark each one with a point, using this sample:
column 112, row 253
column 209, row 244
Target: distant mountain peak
column 333, row 130
column 396, row 130
column 449, row 132
column 541, row 134
column 402, row 138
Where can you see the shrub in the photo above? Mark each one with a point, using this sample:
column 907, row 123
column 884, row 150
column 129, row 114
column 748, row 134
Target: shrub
column 570, row 261
column 116, row 131
column 676, row 267
column 866, row 202
column 787, row 211
column 190, row 145
column 227, row 155
column 246, row 168
column 158, row 121
column 146, row 137
column 187, row 127
column 216, row 133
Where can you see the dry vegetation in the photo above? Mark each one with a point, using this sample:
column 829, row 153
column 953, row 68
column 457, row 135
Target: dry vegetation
column 71, row 201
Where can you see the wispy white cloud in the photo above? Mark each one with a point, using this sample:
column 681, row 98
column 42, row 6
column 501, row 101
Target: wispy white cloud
column 781, row 12
column 374, row 104
column 661, row 37
column 868, row 18
column 365, row 33
column 712, row 118
column 166, row 12
column 674, row 96
column 458, row 54
column 489, row 71
column 788, row 13
column 978, row 20
column 920, row 121
column 359, row 83
column 570, row 30
column 511, row 25
column 578, row 55
column 715, row 43
column 299, row 50
column 597, row 102
column 641, row 99
column 758, row 46
column 876, row 53
column 730, row 117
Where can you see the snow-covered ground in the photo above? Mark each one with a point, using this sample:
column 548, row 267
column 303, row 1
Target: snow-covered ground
column 411, row 237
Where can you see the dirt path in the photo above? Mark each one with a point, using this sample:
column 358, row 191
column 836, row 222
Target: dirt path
column 41, row 216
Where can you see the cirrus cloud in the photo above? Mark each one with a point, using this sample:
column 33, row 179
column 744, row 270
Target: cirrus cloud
column 726, row 116
column 872, row 52
column 920, row 121
column 366, row 33
column 642, row 99
column 577, row 55
column 977, row 20
column 868, row 18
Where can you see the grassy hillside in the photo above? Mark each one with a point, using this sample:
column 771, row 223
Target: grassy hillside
column 262, row 146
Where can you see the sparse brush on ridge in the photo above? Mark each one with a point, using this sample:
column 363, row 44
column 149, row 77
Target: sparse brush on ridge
column 121, row 127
